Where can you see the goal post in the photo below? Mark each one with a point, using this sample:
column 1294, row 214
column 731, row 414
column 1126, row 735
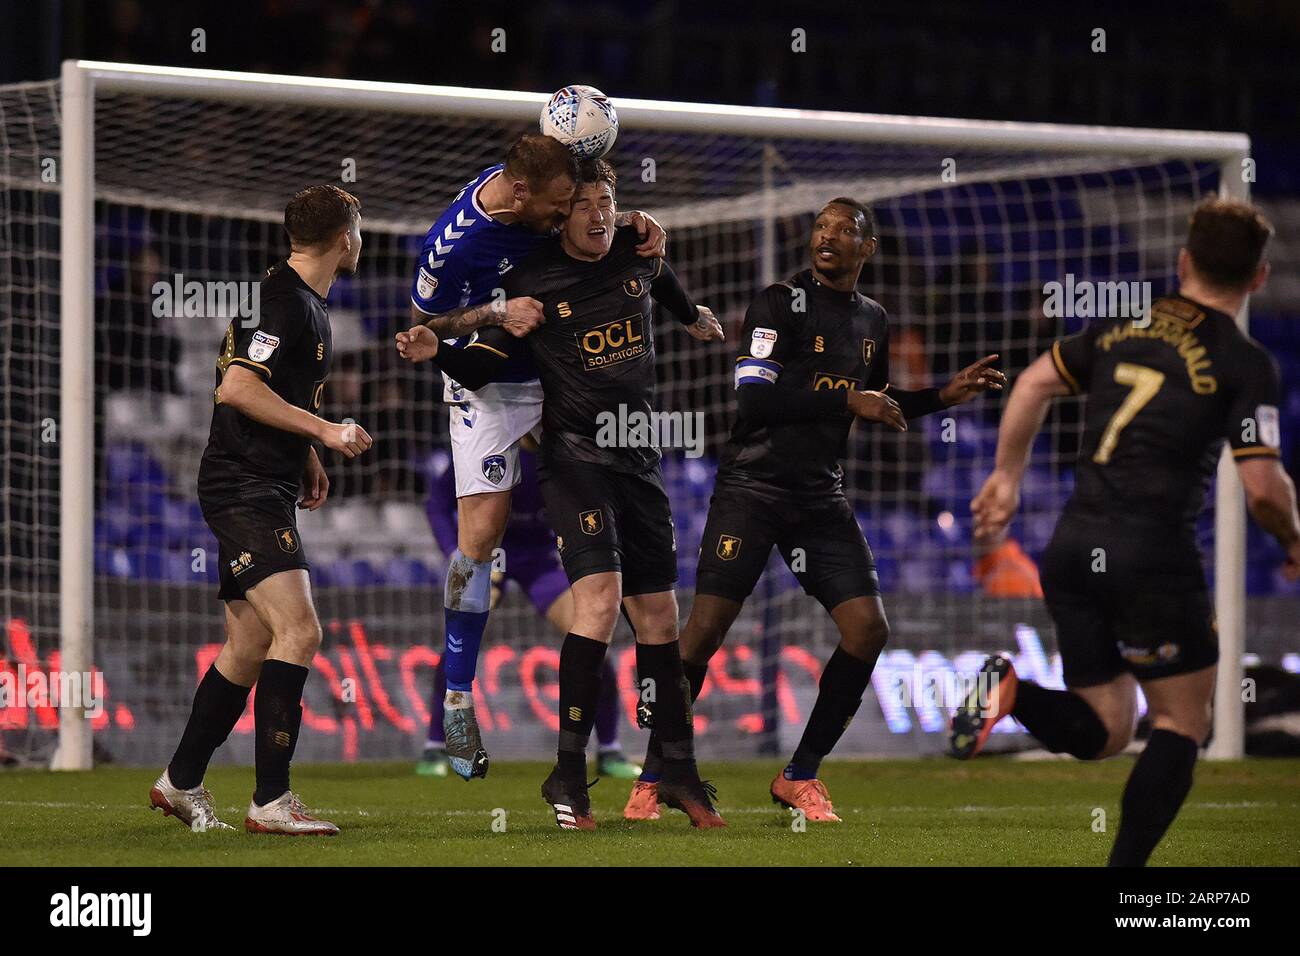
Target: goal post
column 76, row 405
column 1229, row 740
column 887, row 156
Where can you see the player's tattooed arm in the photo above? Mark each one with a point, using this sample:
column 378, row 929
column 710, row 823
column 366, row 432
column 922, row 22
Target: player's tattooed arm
column 518, row 316
column 706, row 328
column 247, row 392
column 472, row 366
column 654, row 240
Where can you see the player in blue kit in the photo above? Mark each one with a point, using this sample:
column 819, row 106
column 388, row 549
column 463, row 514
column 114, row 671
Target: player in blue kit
column 492, row 225
column 532, row 562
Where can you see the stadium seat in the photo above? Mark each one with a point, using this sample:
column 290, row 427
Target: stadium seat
column 349, row 573
column 128, row 465
column 182, row 523
column 404, row 571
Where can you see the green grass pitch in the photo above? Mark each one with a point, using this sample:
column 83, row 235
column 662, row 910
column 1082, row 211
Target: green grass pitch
column 990, row 812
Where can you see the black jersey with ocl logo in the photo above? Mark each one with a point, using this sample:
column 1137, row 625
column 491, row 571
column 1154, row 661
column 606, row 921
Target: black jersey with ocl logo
column 287, row 342
column 595, row 351
column 804, row 335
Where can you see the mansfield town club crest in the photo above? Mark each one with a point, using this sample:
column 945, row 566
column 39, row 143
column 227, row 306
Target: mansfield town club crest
column 592, row 522
column 868, row 350
column 494, row 468
column 634, row 287
column 728, row 547
column 287, row 540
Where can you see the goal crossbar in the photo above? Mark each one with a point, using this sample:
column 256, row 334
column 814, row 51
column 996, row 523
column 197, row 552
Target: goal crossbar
column 659, row 114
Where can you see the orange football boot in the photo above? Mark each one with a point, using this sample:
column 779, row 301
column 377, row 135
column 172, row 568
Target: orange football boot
column 643, row 804
column 810, row 796
column 991, row 699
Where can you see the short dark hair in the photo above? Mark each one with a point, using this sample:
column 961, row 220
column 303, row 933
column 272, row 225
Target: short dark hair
column 596, row 171
column 538, row 160
column 318, row 213
column 1226, row 239
column 868, row 215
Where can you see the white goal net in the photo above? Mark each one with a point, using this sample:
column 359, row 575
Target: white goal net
column 191, row 174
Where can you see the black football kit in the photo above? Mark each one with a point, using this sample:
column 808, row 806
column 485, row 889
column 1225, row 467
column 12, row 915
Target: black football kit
column 251, row 473
column 780, row 484
column 595, row 357
column 1122, row 575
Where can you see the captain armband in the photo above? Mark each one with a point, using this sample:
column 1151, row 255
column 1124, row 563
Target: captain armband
column 756, row 370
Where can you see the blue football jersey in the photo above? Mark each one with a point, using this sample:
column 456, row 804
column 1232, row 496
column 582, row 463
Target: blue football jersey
column 463, row 258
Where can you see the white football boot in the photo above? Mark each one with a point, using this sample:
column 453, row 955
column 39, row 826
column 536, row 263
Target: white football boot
column 286, row 815
column 191, row 807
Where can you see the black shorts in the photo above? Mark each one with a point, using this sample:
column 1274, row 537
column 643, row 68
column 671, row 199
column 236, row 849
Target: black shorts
column 819, row 539
column 607, row 520
column 1148, row 613
column 258, row 537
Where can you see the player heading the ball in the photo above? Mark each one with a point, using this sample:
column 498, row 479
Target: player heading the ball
column 606, row 501
column 490, row 228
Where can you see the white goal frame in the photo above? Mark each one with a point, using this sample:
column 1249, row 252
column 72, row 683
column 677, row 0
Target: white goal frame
column 81, row 79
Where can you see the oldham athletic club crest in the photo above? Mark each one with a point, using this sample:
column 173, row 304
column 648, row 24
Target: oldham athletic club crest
column 494, row 468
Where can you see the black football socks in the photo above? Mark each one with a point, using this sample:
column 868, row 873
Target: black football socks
column 839, row 694
column 218, row 705
column 661, row 664
column 1155, row 791
column 580, row 669
column 1060, row 720
column 653, row 767
column 277, row 710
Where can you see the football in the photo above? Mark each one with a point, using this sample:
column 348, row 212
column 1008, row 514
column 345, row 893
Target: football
column 583, row 119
